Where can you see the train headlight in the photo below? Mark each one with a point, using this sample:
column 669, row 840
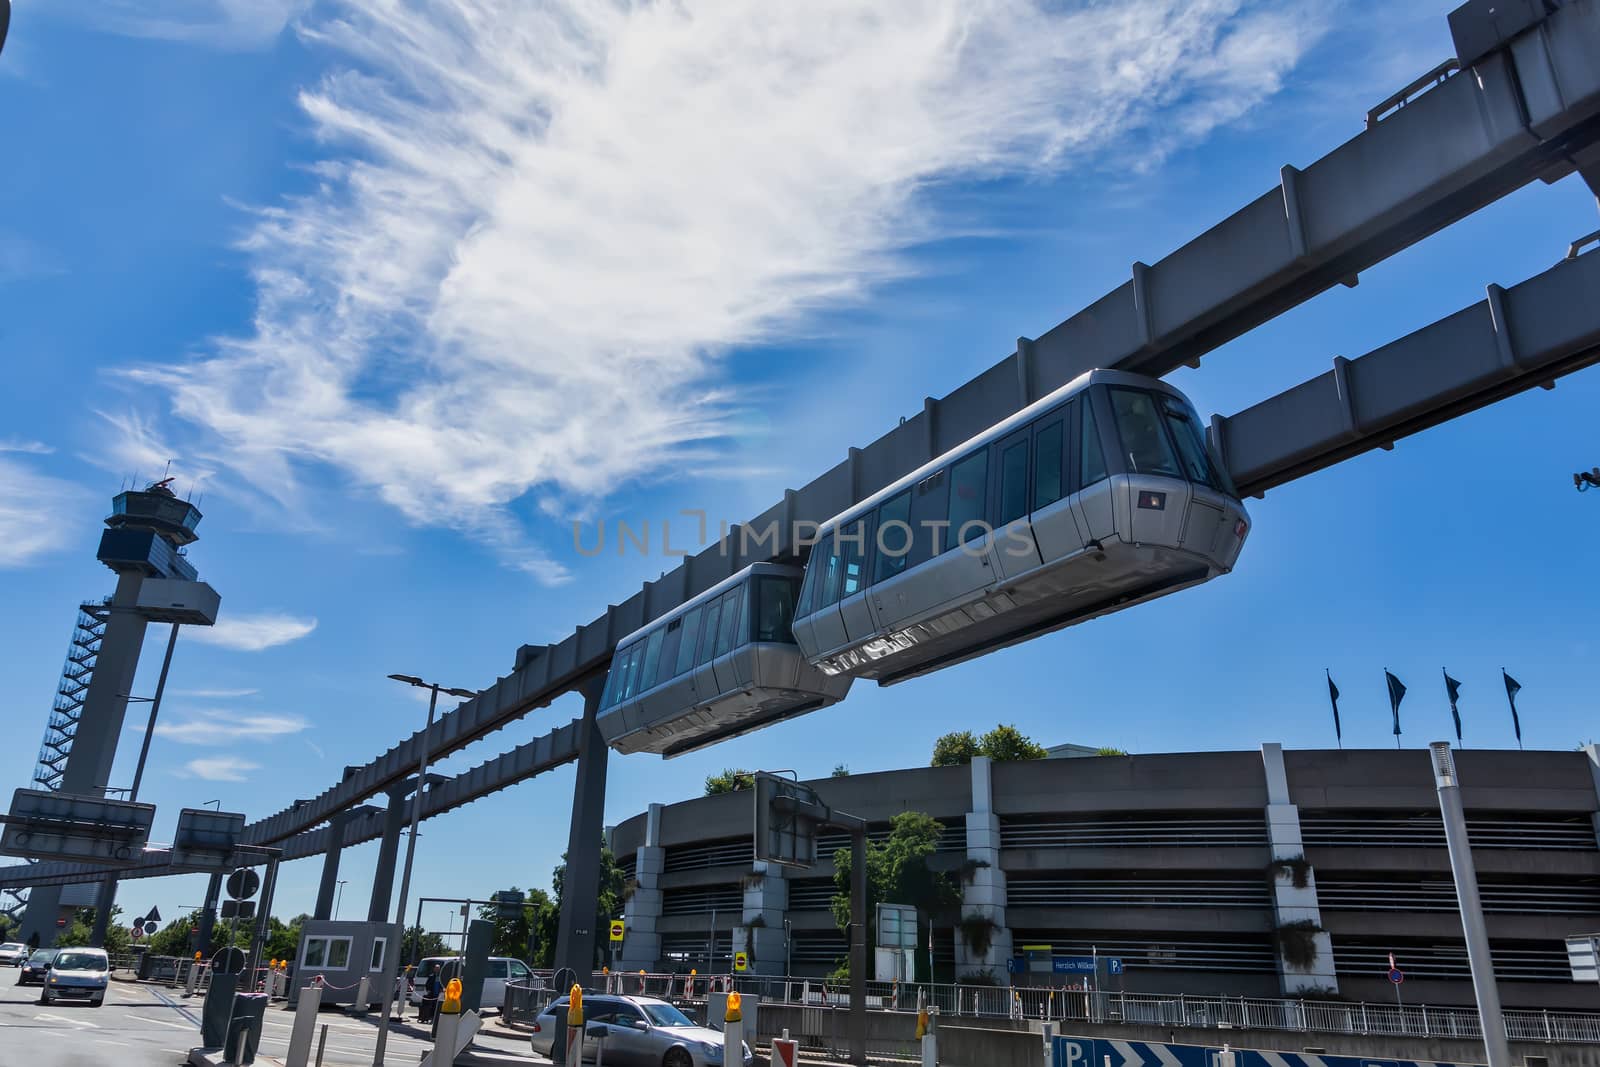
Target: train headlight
column 1152, row 501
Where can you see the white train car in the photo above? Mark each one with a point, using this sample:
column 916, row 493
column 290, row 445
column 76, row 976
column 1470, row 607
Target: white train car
column 719, row 665
column 1102, row 495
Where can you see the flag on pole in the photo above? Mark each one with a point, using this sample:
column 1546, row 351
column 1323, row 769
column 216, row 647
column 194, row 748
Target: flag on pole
column 1452, row 689
column 1512, row 689
column 1397, row 693
column 1333, row 698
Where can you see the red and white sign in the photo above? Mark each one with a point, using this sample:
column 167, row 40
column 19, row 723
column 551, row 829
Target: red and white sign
column 785, row 1053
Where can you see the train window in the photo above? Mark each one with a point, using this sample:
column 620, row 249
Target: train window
column 652, row 660
column 775, row 610
column 894, row 536
column 968, row 479
column 732, row 602
column 1014, row 482
column 708, row 631
column 630, row 683
column 691, row 635
column 828, row 584
column 1144, row 443
column 853, row 558
column 669, row 651
column 808, row 585
column 609, row 696
column 1047, row 465
column 1091, row 458
column 1191, row 441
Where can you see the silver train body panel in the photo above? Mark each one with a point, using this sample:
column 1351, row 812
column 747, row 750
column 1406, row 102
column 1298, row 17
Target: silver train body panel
column 1108, row 540
column 740, row 676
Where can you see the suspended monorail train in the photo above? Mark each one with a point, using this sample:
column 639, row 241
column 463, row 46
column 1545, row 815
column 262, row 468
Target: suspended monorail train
column 1102, row 495
column 719, row 665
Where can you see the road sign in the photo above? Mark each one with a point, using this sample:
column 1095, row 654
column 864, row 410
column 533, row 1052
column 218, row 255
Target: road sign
column 786, row 820
column 44, row 825
column 618, row 929
column 1113, row 965
column 205, row 839
column 1583, row 956
column 243, row 883
column 741, row 962
column 60, row 923
column 1084, row 964
column 150, row 926
column 154, row 916
column 238, row 909
column 1396, row 975
column 229, row 960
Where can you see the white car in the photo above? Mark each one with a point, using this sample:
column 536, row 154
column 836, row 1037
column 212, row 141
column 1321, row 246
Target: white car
column 13, row 954
column 77, row 973
column 501, row 971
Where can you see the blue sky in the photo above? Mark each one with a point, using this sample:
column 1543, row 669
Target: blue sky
column 405, row 297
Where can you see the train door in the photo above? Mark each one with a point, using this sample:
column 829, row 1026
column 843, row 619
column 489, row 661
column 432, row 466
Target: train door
column 1094, row 498
column 729, row 676
column 1055, row 529
column 854, row 554
column 1014, row 551
column 827, row 625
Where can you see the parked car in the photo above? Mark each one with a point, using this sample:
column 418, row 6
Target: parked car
column 36, row 966
column 12, row 953
column 501, row 971
column 77, row 973
column 638, row 1032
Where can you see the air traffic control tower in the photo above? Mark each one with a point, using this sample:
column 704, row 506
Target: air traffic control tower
column 146, row 535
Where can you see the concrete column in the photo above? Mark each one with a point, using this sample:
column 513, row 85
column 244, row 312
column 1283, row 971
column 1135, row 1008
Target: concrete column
column 330, row 865
column 208, row 914
column 1289, row 902
column 1593, row 752
column 985, row 896
column 94, row 747
column 394, row 820
column 641, row 945
column 575, row 944
column 760, row 933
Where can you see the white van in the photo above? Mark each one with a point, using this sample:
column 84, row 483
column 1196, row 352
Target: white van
column 501, row 971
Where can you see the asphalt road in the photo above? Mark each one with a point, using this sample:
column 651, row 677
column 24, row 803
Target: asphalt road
column 147, row 1026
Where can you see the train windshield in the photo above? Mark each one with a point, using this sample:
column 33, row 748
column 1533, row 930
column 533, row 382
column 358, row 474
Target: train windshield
column 774, row 616
column 1150, row 427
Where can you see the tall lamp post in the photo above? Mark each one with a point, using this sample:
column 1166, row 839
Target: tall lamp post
column 390, row 958
column 337, row 897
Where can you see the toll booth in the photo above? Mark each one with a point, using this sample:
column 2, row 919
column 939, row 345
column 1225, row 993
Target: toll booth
column 343, row 952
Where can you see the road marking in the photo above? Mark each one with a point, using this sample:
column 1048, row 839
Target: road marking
column 159, row 1022
column 62, row 1019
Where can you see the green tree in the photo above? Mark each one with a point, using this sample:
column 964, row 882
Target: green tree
column 840, row 770
column 80, row 931
column 419, row 944
column 1002, row 743
column 608, row 905
column 174, row 939
column 955, row 749
column 1108, row 750
column 730, row 781
column 512, row 933
column 898, row 873
column 1006, row 742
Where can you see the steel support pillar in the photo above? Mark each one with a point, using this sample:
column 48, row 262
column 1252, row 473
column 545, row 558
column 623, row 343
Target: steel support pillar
column 330, row 865
column 576, row 939
column 394, row 820
column 208, row 914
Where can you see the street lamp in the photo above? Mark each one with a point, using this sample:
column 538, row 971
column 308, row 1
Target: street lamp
column 434, row 689
column 338, row 897
column 218, row 803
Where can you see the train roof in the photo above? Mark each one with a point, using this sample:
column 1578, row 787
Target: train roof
column 1017, row 418
column 710, row 594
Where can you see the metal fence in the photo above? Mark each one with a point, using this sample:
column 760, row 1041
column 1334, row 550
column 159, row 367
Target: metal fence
column 831, row 1001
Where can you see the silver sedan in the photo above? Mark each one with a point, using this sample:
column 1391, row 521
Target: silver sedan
column 637, row 1032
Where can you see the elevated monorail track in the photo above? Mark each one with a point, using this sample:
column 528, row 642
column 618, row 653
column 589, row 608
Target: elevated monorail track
column 1524, row 105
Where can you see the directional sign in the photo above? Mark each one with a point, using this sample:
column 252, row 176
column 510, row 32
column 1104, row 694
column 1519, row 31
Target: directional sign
column 1084, row 964
column 44, row 825
column 1396, row 975
column 1113, row 965
column 741, row 962
column 618, row 930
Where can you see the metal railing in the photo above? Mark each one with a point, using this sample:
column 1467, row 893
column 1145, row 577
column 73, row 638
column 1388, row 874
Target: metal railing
column 1080, row 1005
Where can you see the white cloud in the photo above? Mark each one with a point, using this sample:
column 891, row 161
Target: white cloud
column 38, row 514
column 215, row 694
column 252, row 633
column 21, row 444
column 220, row 768
column 221, row 728
column 541, row 227
column 232, row 24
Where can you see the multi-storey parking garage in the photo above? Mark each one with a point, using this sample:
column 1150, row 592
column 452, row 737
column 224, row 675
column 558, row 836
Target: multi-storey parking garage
column 1167, row 862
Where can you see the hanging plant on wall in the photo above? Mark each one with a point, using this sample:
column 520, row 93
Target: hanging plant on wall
column 1297, row 868
column 752, row 879
column 978, row 932
column 629, row 888
column 970, row 869
column 1297, row 943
